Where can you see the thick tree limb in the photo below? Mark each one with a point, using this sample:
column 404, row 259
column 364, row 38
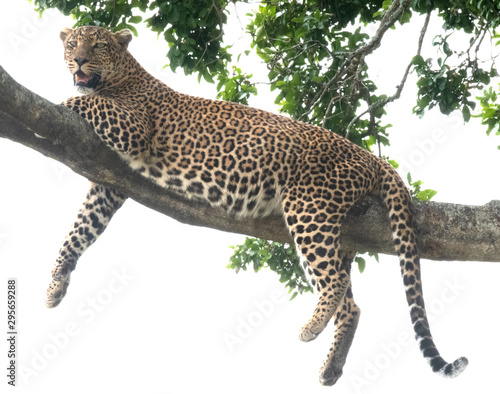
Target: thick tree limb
column 446, row 231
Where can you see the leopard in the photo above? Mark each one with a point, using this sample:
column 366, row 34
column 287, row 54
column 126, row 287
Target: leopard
column 251, row 164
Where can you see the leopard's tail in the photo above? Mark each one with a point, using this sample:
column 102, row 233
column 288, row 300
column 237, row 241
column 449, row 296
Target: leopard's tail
column 398, row 201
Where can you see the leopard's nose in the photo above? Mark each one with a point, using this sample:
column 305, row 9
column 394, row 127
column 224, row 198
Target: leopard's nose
column 80, row 60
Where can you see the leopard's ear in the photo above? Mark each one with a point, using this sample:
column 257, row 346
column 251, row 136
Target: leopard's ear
column 65, row 32
column 123, row 37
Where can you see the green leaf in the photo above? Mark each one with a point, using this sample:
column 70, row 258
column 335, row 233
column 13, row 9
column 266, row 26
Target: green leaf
column 466, row 113
column 393, row 163
column 418, row 60
column 361, row 263
column 208, row 77
column 426, row 195
column 135, row 19
column 132, row 29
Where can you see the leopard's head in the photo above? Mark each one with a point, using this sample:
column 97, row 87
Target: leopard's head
column 93, row 55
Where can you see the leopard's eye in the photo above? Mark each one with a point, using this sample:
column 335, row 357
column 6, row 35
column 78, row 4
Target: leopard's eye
column 72, row 44
column 100, row 45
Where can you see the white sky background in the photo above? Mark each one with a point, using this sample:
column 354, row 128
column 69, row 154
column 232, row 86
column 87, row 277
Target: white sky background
column 151, row 302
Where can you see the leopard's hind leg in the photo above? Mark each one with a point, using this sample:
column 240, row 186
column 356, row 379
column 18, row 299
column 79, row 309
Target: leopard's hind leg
column 99, row 207
column 315, row 226
column 346, row 322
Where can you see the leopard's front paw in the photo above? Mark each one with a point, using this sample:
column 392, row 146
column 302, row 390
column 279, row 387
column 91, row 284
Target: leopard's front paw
column 56, row 292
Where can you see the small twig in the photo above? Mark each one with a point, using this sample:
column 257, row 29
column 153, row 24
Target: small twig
column 221, row 24
column 301, row 44
column 328, row 109
column 114, row 13
column 485, row 30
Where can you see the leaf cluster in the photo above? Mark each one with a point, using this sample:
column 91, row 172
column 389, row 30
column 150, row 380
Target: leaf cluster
column 416, row 191
column 236, row 86
column 465, row 15
column 448, row 87
column 305, row 44
column 281, row 258
column 490, row 111
column 115, row 15
column 448, row 81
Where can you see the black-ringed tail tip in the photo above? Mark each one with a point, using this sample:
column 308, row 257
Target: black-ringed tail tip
column 448, row 370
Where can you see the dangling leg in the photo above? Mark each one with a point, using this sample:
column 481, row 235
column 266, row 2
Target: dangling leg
column 100, row 206
column 315, row 226
column 346, row 322
column 332, row 284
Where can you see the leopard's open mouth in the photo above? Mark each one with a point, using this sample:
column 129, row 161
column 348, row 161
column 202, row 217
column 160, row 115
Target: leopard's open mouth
column 82, row 79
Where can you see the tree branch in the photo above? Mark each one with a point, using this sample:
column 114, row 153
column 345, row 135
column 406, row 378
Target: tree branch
column 446, row 231
column 399, row 88
column 354, row 63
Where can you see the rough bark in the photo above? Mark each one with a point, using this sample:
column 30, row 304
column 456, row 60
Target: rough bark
column 446, row 231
